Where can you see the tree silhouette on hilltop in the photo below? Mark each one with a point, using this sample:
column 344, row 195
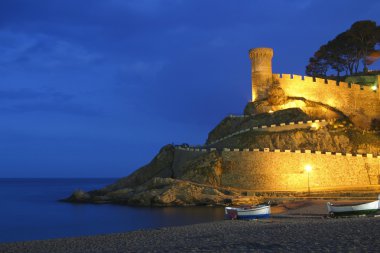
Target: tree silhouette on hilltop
column 347, row 51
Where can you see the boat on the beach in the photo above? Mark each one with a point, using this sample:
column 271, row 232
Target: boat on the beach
column 248, row 212
column 353, row 209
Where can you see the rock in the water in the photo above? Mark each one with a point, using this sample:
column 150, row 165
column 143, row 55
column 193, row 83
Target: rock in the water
column 79, row 196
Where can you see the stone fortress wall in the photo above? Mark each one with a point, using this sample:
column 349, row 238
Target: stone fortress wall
column 360, row 103
column 284, row 170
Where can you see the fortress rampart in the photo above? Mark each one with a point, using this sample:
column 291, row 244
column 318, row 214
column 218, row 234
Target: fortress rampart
column 283, row 170
column 360, row 103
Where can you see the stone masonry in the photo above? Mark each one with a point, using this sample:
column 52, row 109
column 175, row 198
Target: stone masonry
column 360, row 103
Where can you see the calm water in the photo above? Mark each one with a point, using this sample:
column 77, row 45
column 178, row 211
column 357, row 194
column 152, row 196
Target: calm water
column 29, row 210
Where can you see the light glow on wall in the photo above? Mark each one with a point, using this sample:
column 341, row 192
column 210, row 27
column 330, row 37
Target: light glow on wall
column 254, row 96
column 315, row 126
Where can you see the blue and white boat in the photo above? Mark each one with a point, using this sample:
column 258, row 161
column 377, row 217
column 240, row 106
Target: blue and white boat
column 248, row 212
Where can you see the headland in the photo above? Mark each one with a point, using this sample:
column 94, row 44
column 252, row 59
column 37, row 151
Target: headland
column 292, row 122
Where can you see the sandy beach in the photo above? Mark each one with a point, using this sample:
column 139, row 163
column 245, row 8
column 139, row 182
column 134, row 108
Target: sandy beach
column 295, row 227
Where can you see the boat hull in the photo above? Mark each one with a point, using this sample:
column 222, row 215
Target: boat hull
column 347, row 210
column 258, row 212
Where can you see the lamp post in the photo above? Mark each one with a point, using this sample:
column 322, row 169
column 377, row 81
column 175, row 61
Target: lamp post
column 308, row 168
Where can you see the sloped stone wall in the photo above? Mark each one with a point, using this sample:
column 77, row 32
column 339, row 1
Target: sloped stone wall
column 360, row 103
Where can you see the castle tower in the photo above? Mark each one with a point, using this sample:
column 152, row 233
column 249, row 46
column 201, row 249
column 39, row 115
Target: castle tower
column 261, row 59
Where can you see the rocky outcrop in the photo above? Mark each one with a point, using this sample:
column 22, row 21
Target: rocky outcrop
column 206, row 169
column 160, row 166
column 276, row 103
column 159, row 184
column 276, row 95
column 182, row 178
column 162, row 192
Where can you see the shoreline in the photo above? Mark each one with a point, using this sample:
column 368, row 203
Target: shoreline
column 269, row 235
column 295, row 226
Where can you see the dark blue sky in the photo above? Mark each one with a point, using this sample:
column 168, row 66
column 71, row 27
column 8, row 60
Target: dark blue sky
column 94, row 88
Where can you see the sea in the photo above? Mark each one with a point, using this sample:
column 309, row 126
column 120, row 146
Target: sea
column 30, row 210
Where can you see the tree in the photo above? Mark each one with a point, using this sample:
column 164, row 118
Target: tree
column 317, row 67
column 346, row 50
column 365, row 35
column 332, row 54
column 346, row 53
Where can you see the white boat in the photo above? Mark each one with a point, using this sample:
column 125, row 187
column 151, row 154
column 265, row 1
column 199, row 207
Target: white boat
column 353, row 209
column 248, row 212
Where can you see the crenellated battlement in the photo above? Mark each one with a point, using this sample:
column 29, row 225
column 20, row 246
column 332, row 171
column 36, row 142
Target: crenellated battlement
column 276, row 128
column 361, row 103
column 277, row 169
column 261, row 52
column 268, row 150
column 299, row 80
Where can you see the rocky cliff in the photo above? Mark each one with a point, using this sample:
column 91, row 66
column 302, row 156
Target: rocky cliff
column 161, row 184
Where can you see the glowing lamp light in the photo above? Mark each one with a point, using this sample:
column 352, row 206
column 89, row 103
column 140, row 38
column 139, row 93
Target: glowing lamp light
column 270, row 111
column 315, row 125
column 374, row 87
column 308, row 168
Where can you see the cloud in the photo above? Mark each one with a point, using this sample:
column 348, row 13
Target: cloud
column 42, row 50
column 27, row 100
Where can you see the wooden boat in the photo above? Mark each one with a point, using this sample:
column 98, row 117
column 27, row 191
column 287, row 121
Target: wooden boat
column 353, row 209
column 248, row 212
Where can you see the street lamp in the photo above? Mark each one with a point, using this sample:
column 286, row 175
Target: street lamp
column 308, row 168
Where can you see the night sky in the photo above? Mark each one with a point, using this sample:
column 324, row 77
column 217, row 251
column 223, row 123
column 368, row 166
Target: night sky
column 95, row 88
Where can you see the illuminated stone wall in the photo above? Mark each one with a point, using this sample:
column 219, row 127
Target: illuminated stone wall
column 360, row 103
column 285, row 170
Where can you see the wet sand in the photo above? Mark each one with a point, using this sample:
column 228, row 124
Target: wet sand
column 296, row 227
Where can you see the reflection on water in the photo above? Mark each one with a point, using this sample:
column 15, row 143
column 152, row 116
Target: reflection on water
column 30, row 211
